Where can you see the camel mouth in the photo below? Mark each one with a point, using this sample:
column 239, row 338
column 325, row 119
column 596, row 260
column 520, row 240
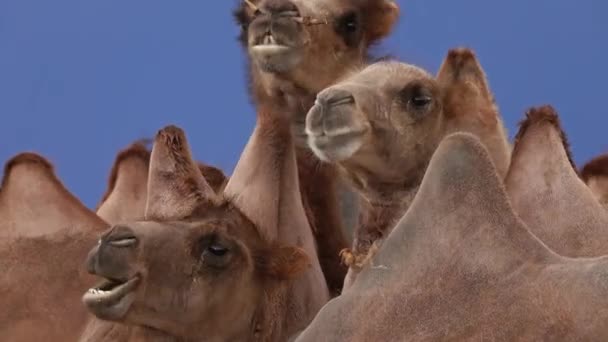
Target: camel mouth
column 338, row 146
column 269, row 45
column 111, row 299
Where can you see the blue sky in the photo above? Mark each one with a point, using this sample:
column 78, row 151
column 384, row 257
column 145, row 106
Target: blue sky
column 80, row 80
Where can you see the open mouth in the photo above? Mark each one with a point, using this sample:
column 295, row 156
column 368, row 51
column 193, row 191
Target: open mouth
column 111, row 299
column 270, row 45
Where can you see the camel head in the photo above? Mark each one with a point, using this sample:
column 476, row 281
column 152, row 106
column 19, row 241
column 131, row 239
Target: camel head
column 382, row 124
column 311, row 43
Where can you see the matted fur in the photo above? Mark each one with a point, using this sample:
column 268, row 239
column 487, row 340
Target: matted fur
column 543, row 115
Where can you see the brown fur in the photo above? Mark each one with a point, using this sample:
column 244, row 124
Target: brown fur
column 547, row 193
column 540, row 116
column 267, row 288
column 596, row 167
column 281, row 88
column 382, row 142
column 216, row 178
column 46, row 233
column 595, row 175
column 461, row 266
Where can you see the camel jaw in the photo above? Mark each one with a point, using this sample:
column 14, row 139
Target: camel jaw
column 111, row 300
column 336, row 148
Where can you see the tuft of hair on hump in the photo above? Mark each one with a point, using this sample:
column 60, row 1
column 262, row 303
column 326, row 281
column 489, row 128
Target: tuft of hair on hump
column 596, row 167
column 26, row 158
column 138, row 150
column 214, row 176
column 543, row 115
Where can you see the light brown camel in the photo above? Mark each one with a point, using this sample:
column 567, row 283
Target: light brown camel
column 547, row 193
column 381, row 126
column 296, row 48
column 208, row 266
column 595, row 175
column 45, row 236
column 461, row 266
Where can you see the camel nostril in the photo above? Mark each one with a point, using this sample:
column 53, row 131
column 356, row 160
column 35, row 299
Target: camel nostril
column 121, row 237
column 348, row 99
column 124, row 242
column 314, row 120
column 281, row 8
column 335, row 98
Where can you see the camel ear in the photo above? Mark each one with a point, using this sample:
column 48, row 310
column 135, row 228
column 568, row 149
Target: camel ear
column 125, row 197
column 379, row 18
column 176, row 186
column 34, row 202
column 461, row 68
column 282, row 263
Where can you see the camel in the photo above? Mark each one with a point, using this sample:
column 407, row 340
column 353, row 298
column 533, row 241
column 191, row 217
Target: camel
column 461, row 266
column 240, row 265
column 595, row 175
column 380, row 127
column 46, row 234
column 547, row 193
column 296, row 48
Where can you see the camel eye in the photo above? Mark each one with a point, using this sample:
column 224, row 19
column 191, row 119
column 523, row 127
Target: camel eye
column 421, row 101
column 215, row 254
column 349, row 23
column 347, row 26
column 217, row 250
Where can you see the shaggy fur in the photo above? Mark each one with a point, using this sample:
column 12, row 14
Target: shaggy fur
column 539, row 116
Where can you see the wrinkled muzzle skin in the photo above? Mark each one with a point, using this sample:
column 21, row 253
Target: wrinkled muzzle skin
column 276, row 40
column 153, row 277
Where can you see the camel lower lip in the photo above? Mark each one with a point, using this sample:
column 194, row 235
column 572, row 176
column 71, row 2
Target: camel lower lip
column 270, row 48
column 337, row 147
column 111, row 299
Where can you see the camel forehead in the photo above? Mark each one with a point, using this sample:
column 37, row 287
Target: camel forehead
column 389, row 73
